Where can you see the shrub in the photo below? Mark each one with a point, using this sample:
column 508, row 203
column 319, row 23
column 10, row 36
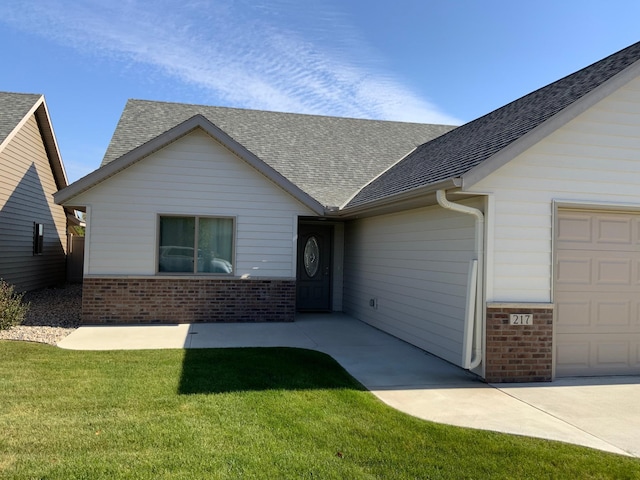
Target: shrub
column 12, row 309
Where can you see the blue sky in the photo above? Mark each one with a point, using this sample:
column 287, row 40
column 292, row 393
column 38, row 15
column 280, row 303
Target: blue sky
column 409, row 60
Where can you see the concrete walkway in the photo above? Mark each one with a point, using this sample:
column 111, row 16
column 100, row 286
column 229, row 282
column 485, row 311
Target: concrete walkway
column 602, row 413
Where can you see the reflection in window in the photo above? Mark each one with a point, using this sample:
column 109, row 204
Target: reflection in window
column 311, row 256
column 195, row 245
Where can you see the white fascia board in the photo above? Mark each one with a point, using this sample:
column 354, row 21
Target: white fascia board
column 397, row 199
column 42, row 114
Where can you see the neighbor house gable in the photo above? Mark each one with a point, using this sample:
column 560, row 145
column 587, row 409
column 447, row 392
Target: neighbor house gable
column 32, row 227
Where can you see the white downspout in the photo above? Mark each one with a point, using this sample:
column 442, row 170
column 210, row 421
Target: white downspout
column 470, row 311
column 473, row 322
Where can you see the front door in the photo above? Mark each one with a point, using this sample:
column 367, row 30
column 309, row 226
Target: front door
column 314, row 267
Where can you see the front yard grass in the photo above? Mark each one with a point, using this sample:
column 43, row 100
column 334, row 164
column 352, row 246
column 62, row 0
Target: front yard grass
column 241, row 413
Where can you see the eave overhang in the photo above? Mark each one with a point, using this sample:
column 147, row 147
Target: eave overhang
column 415, row 198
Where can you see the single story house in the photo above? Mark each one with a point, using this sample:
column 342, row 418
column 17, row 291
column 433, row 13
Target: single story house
column 509, row 246
column 33, row 229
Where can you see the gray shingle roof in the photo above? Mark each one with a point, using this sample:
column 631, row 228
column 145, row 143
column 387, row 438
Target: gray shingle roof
column 460, row 150
column 13, row 108
column 329, row 158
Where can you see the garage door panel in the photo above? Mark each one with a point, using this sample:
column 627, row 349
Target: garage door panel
column 572, row 355
column 574, row 271
column 613, row 271
column 612, row 354
column 614, row 314
column 594, row 330
column 600, row 232
column 613, row 230
column 574, row 229
column 581, row 268
column 604, row 289
column 597, row 293
column 573, row 312
column 607, row 355
column 610, row 313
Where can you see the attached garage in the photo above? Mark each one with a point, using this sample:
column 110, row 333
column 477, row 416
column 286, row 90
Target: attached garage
column 597, row 293
column 559, row 278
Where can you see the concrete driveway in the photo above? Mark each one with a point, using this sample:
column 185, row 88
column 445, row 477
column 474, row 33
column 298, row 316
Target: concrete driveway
column 601, row 413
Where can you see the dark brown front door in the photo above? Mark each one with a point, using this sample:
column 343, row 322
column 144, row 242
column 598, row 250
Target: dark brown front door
column 314, row 267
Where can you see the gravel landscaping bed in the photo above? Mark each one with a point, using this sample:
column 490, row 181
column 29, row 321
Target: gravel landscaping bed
column 54, row 313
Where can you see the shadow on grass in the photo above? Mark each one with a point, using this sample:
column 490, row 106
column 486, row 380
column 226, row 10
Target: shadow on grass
column 254, row 369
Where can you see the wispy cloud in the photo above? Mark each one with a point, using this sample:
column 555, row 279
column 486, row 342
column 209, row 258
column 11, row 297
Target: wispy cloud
column 245, row 54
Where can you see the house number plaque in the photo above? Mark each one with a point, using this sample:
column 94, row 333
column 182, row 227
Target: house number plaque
column 521, row 319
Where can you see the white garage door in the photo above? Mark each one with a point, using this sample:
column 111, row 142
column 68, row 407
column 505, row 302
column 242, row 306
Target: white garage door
column 597, row 293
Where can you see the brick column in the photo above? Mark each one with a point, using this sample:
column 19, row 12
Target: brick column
column 519, row 353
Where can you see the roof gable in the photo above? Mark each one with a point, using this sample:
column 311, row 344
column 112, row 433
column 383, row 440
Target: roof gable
column 170, row 136
column 15, row 110
column 479, row 147
column 327, row 158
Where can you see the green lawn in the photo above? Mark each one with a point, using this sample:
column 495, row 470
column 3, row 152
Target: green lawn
column 240, row 413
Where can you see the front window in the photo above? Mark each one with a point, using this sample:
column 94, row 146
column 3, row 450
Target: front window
column 195, row 245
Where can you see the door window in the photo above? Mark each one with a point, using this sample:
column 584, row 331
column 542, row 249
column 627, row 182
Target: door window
column 311, row 256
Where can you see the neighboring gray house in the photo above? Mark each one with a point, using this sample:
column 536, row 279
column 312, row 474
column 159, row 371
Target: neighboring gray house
column 33, row 229
column 508, row 246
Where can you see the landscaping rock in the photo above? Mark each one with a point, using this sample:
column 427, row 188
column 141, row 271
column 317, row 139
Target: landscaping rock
column 53, row 314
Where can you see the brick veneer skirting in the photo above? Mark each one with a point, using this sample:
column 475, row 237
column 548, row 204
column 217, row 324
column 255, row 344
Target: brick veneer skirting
column 519, row 353
column 189, row 300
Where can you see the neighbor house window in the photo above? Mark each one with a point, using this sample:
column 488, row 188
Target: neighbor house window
column 38, row 238
column 195, row 245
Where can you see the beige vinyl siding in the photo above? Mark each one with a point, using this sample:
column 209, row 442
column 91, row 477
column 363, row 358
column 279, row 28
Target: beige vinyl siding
column 192, row 176
column 415, row 265
column 26, row 196
column 595, row 158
